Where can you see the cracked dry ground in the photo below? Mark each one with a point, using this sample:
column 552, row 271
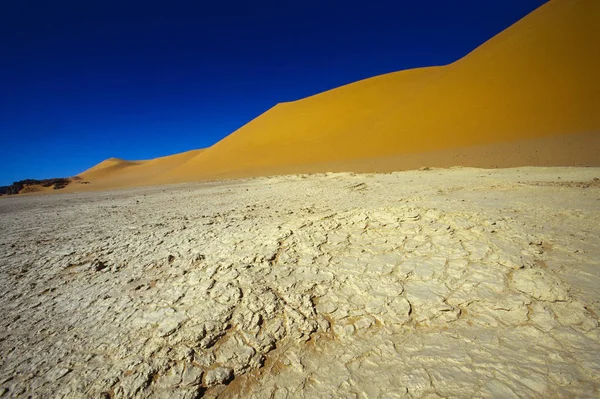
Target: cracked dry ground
column 436, row 283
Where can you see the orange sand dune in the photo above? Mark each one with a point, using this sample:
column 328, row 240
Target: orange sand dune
column 536, row 82
column 114, row 172
column 108, row 168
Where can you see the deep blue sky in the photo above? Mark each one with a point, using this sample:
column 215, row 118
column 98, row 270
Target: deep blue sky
column 85, row 80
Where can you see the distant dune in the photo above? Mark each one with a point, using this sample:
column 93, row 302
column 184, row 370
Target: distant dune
column 529, row 96
column 114, row 172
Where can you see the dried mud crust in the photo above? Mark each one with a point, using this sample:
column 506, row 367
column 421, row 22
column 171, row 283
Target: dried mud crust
column 408, row 284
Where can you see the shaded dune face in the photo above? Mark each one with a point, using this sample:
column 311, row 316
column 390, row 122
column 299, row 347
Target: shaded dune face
column 535, row 81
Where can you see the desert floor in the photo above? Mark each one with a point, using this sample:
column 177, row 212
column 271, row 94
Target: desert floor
column 434, row 283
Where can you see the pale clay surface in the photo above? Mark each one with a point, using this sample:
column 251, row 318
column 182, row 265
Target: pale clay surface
column 435, row 283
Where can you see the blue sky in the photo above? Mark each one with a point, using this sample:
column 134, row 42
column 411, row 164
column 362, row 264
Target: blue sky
column 82, row 81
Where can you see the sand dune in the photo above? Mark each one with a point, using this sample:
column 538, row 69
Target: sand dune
column 108, row 168
column 115, row 172
column 535, row 81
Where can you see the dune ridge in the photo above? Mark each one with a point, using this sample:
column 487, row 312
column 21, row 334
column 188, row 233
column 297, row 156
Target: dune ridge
column 533, row 81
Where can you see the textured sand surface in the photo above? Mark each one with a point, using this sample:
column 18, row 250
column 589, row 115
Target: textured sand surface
column 533, row 82
column 434, row 283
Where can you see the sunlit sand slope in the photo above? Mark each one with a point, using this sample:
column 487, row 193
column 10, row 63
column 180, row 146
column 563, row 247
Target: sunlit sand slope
column 114, row 172
column 536, row 80
column 108, row 168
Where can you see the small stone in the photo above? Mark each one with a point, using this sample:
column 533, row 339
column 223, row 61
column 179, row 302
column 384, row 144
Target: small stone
column 191, row 376
column 220, row 375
